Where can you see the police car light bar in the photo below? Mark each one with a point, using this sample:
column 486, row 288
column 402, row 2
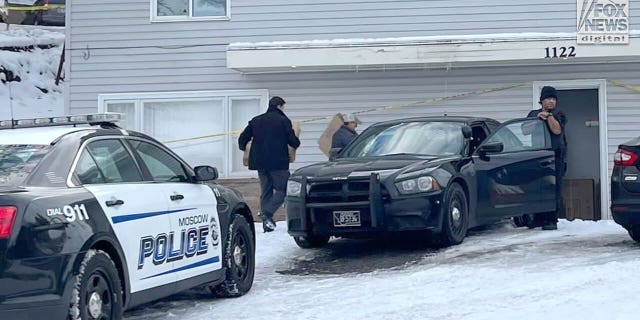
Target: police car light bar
column 97, row 118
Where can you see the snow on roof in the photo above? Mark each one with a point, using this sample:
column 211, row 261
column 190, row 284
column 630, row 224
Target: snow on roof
column 30, row 37
column 496, row 37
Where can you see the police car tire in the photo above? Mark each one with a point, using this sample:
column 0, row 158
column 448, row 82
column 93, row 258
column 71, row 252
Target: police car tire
column 454, row 232
column 522, row 221
column 238, row 278
column 308, row 242
column 634, row 232
column 97, row 270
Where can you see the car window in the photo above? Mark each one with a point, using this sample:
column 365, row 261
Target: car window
column 522, row 135
column 87, row 171
column 161, row 165
column 114, row 161
column 17, row 162
column 426, row 138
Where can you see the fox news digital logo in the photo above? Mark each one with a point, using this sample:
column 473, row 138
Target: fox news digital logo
column 603, row 22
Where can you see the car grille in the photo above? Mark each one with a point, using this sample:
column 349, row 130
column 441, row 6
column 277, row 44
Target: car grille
column 340, row 191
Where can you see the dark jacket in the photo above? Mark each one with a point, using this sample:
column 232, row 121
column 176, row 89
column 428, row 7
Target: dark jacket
column 271, row 133
column 558, row 141
column 342, row 137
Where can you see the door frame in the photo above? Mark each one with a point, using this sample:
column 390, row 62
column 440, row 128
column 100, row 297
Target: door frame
column 601, row 86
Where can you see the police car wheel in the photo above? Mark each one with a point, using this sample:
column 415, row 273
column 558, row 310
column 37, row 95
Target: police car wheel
column 634, row 232
column 455, row 216
column 522, row 221
column 308, row 242
column 239, row 258
column 97, row 293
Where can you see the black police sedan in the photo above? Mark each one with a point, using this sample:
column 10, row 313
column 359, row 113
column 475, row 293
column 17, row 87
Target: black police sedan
column 95, row 219
column 625, row 187
column 438, row 174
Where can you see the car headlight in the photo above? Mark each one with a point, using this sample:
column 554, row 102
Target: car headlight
column 416, row 185
column 293, row 188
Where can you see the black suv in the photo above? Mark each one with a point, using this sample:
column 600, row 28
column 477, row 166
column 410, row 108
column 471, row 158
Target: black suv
column 625, row 187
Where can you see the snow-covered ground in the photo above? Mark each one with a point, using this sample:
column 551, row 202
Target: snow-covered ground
column 585, row 270
column 35, row 94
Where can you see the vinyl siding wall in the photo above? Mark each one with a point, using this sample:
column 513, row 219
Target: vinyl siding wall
column 114, row 48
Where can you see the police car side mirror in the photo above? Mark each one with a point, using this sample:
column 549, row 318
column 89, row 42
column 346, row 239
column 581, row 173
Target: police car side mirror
column 206, row 173
column 495, row 147
column 333, row 153
column 467, row 132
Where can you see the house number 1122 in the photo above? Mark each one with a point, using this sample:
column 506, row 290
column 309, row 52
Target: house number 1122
column 560, row 52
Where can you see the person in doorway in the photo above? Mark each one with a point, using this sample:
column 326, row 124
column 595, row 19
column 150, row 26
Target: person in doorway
column 271, row 133
column 347, row 132
column 555, row 121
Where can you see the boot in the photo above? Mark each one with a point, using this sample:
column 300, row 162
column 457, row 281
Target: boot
column 268, row 224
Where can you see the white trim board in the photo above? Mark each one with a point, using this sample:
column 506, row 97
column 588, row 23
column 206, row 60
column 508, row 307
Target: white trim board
column 257, row 59
column 601, row 86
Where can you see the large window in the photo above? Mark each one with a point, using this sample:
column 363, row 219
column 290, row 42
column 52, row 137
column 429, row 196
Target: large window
column 201, row 127
column 167, row 10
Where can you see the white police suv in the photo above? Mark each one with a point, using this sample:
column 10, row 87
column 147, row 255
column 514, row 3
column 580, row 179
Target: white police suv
column 95, row 219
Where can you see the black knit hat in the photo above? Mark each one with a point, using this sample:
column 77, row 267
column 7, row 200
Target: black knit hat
column 548, row 92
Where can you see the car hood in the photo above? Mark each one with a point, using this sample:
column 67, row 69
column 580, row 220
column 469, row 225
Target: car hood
column 358, row 167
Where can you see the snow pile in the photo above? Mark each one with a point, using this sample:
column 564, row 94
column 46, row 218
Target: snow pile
column 27, row 87
column 23, row 37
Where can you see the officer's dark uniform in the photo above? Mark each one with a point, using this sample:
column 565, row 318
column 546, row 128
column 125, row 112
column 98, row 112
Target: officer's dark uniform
column 559, row 144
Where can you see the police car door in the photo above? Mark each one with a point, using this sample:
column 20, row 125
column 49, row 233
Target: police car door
column 137, row 210
column 194, row 210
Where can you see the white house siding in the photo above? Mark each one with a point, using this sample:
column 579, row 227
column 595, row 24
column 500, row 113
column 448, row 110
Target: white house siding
column 114, row 48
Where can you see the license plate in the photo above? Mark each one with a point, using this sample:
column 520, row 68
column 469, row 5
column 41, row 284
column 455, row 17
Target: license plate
column 346, row 218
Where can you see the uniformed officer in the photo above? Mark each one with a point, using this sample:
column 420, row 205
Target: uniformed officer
column 555, row 121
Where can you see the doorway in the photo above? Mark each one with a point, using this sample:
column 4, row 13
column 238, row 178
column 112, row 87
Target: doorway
column 585, row 188
column 581, row 189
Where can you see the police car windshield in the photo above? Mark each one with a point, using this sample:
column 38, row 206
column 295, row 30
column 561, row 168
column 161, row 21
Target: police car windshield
column 17, row 162
column 409, row 138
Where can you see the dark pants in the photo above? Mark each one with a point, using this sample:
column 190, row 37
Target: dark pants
column 273, row 187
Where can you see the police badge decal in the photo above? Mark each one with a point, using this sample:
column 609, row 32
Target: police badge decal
column 213, row 231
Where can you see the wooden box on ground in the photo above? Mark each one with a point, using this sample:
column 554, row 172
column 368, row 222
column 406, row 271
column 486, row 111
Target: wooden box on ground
column 581, row 200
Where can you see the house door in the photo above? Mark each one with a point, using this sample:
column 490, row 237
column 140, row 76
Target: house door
column 581, row 189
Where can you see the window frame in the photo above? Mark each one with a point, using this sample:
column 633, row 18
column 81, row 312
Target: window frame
column 154, row 17
column 72, row 181
column 140, row 98
column 547, row 137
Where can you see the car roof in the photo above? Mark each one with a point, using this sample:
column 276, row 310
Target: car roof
column 38, row 135
column 48, row 135
column 462, row 119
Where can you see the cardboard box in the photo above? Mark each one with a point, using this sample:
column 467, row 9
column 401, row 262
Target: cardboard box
column 580, row 199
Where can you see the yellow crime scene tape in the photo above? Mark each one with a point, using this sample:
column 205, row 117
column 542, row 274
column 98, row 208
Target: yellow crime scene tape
column 33, row 8
column 624, row 85
column 377, row 109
